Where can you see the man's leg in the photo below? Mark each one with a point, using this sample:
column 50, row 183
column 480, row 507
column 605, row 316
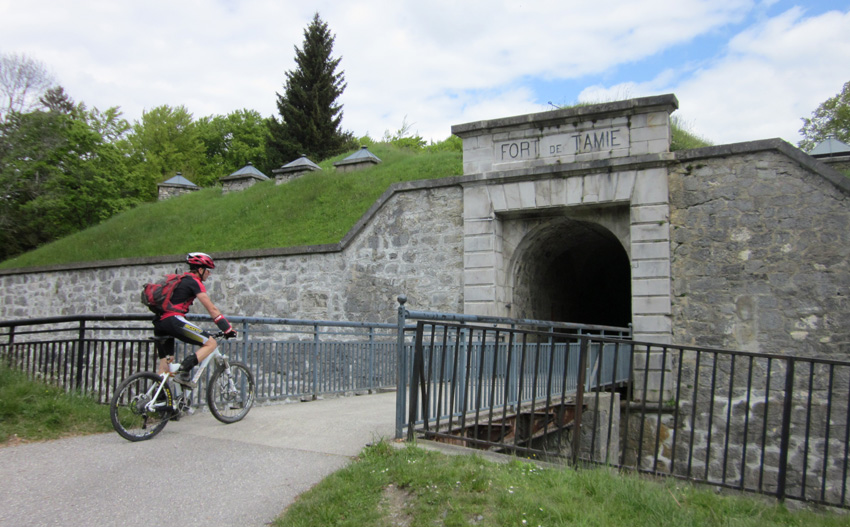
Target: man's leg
column 193, row 359
column 192, row 334
column 165, row 352
column 163, row 366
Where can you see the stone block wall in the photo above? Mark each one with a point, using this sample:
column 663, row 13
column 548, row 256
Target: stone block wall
column 238, row 184
column 760, row 251
column 170, row 191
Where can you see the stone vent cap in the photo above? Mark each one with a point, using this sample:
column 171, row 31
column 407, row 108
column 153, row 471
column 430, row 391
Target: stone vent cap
column 301, row 164
column 179, row 180
column 830, row 147
column 361, row 156
column 248, row 171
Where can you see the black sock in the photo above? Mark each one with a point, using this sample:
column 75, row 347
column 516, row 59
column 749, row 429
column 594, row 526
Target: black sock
column 189, row 362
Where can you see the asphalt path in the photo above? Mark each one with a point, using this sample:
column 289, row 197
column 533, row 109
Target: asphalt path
column 197, row 471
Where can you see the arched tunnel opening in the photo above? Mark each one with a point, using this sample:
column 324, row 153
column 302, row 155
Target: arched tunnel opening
column 574, row 271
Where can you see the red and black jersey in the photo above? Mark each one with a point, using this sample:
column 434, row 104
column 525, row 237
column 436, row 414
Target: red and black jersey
column 184, row 294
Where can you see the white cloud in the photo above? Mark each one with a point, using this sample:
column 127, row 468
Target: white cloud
column 438, row 63
column 771, row 76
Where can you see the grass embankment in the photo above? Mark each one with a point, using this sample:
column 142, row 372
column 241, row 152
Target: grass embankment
column 35, row 411
column 413, row 487
column 318, row 208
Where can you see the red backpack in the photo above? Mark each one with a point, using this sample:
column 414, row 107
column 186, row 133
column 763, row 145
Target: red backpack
column 157, row 295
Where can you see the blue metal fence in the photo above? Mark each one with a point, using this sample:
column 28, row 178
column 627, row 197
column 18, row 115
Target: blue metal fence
column 290, row 358
column 475, row 358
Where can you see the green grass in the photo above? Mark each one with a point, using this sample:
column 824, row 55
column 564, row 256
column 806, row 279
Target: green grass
column 409, row 486
column 319, row 208
column 35, row 411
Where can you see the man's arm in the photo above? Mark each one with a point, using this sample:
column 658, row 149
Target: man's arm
column 219, row 319
column 205, row 301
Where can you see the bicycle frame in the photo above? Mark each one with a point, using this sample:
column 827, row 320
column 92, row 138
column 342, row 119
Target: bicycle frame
column 218, row 356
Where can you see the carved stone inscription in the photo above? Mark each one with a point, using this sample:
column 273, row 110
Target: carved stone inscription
column 558, row 145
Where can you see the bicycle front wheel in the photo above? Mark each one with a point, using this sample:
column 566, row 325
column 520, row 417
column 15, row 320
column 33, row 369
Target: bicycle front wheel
column 230, row 394
column 131, row 415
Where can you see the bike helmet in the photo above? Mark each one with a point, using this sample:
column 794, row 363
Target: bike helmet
column 200, row 260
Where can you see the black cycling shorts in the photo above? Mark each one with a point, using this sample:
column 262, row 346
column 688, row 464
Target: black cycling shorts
column 180, row 328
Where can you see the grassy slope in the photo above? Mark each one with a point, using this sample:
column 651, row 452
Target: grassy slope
column 412, row 487
column 34, row 411
column 318, row 208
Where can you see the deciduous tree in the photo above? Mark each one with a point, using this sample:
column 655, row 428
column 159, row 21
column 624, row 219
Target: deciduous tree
column 831, row 118
column 163, row 143
column 22, row 82
column 62, row 169
column 232, row 141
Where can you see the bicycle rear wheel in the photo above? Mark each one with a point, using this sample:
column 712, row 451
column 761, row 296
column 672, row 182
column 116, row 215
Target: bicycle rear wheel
column 128, row 412
column 230, row 394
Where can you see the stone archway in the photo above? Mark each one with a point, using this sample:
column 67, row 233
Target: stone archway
column 576, row 163
column 572, row 270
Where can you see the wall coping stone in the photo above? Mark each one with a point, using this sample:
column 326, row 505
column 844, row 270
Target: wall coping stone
column 667, row 102
column 779, row 145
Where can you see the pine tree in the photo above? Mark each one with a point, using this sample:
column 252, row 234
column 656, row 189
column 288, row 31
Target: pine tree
column 310, row 117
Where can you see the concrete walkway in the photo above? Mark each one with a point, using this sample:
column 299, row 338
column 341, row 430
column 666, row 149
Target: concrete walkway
column 195, row 472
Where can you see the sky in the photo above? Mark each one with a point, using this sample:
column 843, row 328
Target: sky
column 742, row 70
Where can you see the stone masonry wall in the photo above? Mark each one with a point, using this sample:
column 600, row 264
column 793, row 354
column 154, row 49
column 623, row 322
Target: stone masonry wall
column 170, row 191
column 412, row 244
column 760, row 254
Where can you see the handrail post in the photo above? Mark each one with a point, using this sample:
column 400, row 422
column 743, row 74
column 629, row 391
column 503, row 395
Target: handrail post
column 786, row 429
column 417, row 371
column 372, row 353
column 81, row 343
column 580, row 387
column 401, row 369
column 315, row 361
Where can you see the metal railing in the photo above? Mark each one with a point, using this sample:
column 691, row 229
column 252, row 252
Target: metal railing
column 289, row 358
column 407, row 332
column 769, row 424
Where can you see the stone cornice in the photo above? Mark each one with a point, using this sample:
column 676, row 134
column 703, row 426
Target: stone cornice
column 777, row 145
column 667, row 102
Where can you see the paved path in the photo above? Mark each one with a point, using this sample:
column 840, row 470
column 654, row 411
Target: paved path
column 195, row 472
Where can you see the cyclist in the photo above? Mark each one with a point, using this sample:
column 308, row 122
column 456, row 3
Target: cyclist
column 171, row 323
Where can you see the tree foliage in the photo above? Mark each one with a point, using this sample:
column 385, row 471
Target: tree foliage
column 62, row 169
column 232, row 141
column 310, row 117
column 163, row 143
column 830, row 119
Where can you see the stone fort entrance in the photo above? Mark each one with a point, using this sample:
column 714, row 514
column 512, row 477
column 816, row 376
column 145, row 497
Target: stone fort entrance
column 566, row 215
column 571, row 268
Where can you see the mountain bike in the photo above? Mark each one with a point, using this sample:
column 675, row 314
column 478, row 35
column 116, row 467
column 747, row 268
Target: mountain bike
column 144, row 402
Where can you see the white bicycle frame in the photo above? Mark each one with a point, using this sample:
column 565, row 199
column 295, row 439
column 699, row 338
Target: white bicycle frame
column 216, row 355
